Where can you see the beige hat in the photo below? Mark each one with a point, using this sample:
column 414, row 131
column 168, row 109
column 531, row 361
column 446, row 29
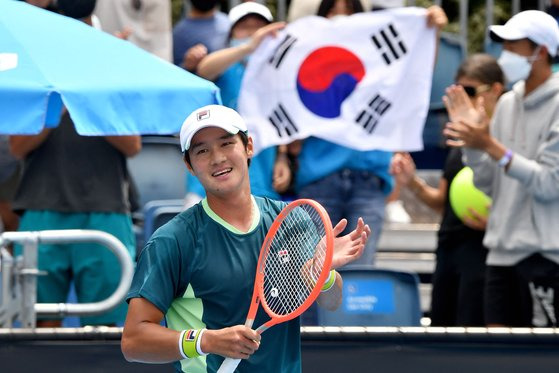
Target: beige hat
column 210, row 116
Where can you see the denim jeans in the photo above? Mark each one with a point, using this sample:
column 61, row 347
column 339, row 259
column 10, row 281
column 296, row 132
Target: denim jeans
column 352, row 194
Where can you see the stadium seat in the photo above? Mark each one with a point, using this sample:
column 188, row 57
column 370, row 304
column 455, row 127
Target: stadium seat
column 158, row 170
column 375, row 297
column 159, row 212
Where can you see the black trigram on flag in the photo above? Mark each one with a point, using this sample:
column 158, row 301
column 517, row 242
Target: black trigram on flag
column 389, row 44
column 282, row 122
column 281, row 50
column 369, row 117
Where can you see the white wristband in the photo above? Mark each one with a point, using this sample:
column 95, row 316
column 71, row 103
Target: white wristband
column 180, row 345
column 199, row 341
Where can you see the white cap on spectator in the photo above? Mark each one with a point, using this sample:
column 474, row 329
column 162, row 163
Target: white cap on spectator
column 250, row 7
column 535, row 25
column 210, row 116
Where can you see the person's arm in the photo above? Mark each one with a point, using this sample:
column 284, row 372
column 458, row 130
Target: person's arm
column 435, row 198
column 470, row 128
column 347, row 248
column 475, row 220
column 127, row 145
column 145, row 340
column 331, row 297
column 214, row 64
column 403, row 168
column 539, row 175
column 21, row 145
column 436, row 17
column 193, row 56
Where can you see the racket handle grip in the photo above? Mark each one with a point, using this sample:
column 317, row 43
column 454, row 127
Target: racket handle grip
column 229, row 365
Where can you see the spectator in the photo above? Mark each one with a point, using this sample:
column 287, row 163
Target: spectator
column 76, row 182
column 145, row 23
column 386, row 4
column 204, row 30
column 515, row 161
column 270, row 173
column 395, row 211
column 10, row 172
column 45, row 4
column 345, row 181
column 458, row 280
column 303, row 8
column 197, row 271
column 553, row 9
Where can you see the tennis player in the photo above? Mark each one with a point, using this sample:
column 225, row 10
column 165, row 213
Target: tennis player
column 197, row 271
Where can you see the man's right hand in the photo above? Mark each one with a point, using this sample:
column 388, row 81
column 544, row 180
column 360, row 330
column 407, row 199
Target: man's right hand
column 237, row 342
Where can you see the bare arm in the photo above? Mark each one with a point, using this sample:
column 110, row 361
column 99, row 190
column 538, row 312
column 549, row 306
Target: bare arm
column 144, row 340
column 214, row 64
column 193, row 56
column 127, row 145
column 435, row 198
column 332, row 298
column 436, row 17
column 403, row 169
column 21, row 145
column 346, row 249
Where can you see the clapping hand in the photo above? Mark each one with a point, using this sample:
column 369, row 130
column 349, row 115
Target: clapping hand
column 469, row 125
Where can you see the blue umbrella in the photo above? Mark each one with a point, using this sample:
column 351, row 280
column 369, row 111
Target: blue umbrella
column 108, row 85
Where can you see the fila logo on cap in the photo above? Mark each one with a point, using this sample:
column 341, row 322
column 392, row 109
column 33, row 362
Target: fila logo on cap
column 205, row 114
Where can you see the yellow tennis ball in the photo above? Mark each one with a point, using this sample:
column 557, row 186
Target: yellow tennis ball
column 464, row 194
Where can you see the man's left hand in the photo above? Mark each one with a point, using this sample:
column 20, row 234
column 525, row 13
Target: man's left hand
column 349, row 247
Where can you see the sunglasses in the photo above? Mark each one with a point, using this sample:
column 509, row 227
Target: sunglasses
column 472, row 91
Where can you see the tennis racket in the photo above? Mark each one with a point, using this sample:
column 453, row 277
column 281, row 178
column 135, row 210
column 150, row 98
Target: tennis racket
column 293, row 265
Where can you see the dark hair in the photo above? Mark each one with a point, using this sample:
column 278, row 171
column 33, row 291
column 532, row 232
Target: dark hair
column 481, row 67
column 326, row 6
column 244, row 140
column 204, row 5
column 76, row 8
column 535, row 45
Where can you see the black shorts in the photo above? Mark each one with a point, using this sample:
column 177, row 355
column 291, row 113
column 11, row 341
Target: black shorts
column 458, row 283
column 523, row 295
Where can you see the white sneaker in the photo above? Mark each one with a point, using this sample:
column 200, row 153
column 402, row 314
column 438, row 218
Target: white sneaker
column 395, row 213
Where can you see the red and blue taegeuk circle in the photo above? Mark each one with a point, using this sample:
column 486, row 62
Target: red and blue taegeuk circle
column 326, row 78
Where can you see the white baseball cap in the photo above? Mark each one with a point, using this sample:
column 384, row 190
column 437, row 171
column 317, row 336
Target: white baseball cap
column 250, row 7
column 535, row 25
column 210, row 116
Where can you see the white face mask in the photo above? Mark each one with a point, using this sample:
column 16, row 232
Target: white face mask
column 238, row 42
column 515, row 66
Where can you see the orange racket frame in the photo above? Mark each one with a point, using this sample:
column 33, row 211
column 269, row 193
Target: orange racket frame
column 258, row 298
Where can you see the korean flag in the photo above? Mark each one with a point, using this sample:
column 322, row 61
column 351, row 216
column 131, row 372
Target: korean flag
column 361, row 81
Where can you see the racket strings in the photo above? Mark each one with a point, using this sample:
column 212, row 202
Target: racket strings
column 295, row 260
